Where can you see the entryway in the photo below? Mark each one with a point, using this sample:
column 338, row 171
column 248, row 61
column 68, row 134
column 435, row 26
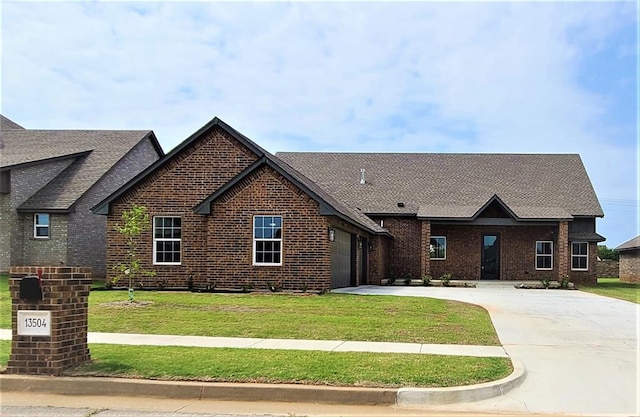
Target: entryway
column 490, row 268
column 341, row 257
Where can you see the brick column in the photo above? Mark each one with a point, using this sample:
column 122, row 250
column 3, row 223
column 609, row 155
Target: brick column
column 65, row 293
column 425, row 253
column 563, row 249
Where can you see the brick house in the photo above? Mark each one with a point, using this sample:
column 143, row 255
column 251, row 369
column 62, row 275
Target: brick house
column 228, row 214
column 49, row 180
column 629, row 264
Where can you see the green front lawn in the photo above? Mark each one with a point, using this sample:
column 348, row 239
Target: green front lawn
column 286, row 316
column 612, row 287
column 283, row 316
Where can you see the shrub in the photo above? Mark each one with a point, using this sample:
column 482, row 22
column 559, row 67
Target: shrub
column 426, row 280
column 446, row 279
column 546, row 281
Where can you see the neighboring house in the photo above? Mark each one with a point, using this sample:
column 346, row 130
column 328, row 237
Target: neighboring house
column 630, row 260
column 49, row 180
column 228, row 214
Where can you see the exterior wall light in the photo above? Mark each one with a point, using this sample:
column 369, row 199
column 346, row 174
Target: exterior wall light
column 332, row 234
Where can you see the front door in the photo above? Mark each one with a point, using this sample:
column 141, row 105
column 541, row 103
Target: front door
column 341, row 258
column 490, row 257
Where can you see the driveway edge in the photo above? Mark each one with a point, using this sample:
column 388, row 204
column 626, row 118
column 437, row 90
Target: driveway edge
column 403, row 397
column 417, row 397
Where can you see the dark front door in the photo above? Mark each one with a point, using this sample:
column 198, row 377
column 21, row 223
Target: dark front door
column 341, row 259
column 490, row 257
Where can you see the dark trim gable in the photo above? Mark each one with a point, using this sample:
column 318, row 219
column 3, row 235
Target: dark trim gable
column 502, row 204
column 103, row 207
column 154, row 141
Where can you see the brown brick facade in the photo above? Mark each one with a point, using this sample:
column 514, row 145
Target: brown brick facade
column 378, row 259
column 405, row 247
column 306, row 253
column 66, row 294
column 517, row 253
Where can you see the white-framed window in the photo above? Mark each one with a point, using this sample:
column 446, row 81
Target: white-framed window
column 267, row 240
column 438, row 247
column 167, row 240
column 580, row 256
column 41, row 223
column 544, row 255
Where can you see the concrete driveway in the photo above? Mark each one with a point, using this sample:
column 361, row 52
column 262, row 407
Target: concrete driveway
column 580, row 350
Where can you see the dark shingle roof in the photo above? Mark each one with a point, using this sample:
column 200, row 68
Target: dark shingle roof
column 6, row 123
column 94, row 152
column 630, row 245
column 532, row 186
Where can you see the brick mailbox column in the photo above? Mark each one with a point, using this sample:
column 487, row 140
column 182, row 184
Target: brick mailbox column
column 49, row 334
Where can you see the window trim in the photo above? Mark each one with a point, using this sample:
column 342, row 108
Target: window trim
column 254, row 241
column 165, row 239
column 445, row 248
column 586, row 257
column 37, row 226
column 549, row 255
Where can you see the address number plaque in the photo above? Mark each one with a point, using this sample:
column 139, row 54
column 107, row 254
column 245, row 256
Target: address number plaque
column 34, row 323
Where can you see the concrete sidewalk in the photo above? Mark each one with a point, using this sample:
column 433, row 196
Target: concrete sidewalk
column 287, row 344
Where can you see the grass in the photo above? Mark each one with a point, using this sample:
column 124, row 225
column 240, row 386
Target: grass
column 612, row 287
column 330, row 317
column 292, row 366
column 5, row 302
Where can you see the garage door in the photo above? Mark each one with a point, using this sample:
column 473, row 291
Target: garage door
column 341, row 260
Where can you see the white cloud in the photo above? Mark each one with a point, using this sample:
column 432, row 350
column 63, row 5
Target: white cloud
column 428, row 76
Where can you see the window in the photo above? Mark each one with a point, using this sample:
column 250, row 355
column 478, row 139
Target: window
column 579, row 256
column 438, row 247
column 267, row 240
column 544, row 255
column 5, row 182
column 167, row 240
column 41, row 225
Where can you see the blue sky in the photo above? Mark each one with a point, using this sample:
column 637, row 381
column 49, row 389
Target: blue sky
column 550, row 77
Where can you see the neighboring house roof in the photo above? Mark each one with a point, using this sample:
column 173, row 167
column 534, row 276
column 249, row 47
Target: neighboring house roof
column 6, row 123
column 453, row 186
column 328, row 204
column 94, row 152
column 632, row 244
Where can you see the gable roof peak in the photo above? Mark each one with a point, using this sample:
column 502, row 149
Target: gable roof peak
column 6, row 123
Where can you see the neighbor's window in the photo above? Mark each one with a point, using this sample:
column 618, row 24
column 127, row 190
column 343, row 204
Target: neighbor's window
column 267, row 240
column 167, row 240
column 41, row 225
column 544, row 255
column 579, row 256
column 438, row 247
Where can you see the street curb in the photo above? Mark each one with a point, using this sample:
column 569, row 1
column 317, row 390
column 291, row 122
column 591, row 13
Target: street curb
column 417, row 397
column 198, row 390
column 403, row 397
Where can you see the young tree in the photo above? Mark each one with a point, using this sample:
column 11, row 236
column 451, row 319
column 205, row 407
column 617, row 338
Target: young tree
column 134, row 223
